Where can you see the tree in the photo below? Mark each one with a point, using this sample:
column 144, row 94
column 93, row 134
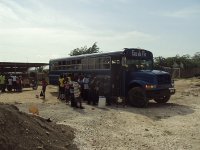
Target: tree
column 85, row 50
column 159, row 62
column 196, row 59
column 186, row 60
column 78, row 51
column 93, row 49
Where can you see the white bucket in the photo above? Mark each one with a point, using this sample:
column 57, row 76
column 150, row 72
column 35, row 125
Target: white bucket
column 102, row 101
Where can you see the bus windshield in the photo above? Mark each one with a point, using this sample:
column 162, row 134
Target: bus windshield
column 138, row 64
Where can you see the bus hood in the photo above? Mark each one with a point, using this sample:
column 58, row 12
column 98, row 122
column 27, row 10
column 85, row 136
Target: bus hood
column 155, row 76
column 153, row 72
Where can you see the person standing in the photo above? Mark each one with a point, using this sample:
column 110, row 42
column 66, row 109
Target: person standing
column 59, row 87
column 20, row 84
column 1, row 84
column 10, row 81
column 85, row 88
column 106, row 87
column 14, row 82
column 77, row 93
column 3, row 81
column 62, row 87
column 93, row 91
column 67, row 90
column 44, row 85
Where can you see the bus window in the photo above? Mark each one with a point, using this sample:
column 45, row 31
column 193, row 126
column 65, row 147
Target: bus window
column 84, row 63
column 64, row 63
column 73, row 61
column 139, row 64
column 105, row 63
column 115, row 61
column 78, row 61
column 97, row 63
column 91, row 64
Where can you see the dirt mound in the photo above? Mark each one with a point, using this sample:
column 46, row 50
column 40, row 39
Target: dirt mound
column 20, row 131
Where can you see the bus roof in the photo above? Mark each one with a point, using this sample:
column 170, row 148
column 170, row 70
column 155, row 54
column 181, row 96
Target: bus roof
column 97, row 54
column 88, row 55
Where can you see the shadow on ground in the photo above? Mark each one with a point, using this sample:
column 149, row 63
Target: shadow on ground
column 54, row 94
column 157, row 111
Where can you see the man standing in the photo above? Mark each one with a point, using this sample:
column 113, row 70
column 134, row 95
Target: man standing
column 85, row 88
column 61, row 95
column 1, row 85
column 44, row 85
column 14, row 82
column 77, row 97
column 3, row 80
column 94, row 91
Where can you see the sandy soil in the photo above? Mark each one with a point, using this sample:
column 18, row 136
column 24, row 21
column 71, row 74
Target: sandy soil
column 22, row 131
column 171, row 126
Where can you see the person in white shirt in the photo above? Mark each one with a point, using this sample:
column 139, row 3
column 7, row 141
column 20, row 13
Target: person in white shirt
column 85, row 88
column 14, row 82
column 10, row 81
column 77, row 98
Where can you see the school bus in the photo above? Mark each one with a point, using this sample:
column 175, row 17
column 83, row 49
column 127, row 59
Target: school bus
column 129, row 73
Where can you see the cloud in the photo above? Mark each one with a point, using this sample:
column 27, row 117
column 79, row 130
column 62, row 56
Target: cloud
column 103, row 1
column 184, row 13
column 34, row 14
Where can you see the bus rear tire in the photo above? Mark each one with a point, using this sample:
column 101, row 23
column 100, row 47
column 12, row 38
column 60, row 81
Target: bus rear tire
column 137, row 97
column 163, row 99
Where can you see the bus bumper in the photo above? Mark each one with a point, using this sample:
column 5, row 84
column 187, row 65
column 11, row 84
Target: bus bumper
column 158, row 93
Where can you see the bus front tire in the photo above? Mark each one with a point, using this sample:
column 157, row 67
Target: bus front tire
column 163, row 99
column 137, row 97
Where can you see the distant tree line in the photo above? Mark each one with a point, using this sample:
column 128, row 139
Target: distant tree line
column 184, row 62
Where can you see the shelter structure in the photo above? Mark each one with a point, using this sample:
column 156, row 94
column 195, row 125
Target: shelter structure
column 18, row 67
column 23, row 70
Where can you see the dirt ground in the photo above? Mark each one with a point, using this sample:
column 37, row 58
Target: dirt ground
column 21, row 131
column 171, row 126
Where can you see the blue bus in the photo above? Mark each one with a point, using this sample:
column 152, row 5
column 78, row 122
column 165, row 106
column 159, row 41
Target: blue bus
column 129, row 73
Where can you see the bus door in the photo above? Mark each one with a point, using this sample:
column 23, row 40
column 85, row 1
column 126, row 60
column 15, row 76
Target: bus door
column 123, row 76
column 116, row 77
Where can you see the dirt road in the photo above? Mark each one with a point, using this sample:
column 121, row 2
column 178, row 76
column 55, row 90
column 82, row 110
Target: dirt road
column 173, row 126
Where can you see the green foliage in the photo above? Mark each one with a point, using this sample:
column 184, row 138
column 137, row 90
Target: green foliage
column 85, row 50
column 185, row 61
column 196, row 59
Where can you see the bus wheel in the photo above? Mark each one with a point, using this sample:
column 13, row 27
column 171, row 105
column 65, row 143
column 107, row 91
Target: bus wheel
column 9, row 88
column 163, row 99
column 137, row 97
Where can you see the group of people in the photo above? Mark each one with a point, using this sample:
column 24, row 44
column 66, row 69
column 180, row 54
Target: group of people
column 74, row 89
column 10, row 82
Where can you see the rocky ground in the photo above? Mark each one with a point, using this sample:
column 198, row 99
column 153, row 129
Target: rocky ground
column 170, row 126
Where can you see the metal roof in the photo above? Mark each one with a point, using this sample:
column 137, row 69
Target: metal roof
column 18, row 66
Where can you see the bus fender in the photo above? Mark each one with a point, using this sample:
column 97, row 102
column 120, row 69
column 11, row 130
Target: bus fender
column 136, row 83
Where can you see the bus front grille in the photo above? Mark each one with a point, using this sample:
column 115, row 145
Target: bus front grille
column 164, row 79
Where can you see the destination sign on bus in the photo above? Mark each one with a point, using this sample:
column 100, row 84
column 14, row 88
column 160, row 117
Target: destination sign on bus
column 139, row 53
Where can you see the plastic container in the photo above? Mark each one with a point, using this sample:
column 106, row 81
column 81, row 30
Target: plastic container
column 102, row 101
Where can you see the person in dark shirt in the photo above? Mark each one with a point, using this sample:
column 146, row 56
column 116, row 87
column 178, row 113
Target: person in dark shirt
column 44, row 85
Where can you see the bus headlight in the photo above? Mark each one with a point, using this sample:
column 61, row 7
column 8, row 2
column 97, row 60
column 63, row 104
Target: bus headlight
column 150, row 86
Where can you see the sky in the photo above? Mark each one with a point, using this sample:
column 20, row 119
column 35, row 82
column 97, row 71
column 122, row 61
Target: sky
column 40, row 30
